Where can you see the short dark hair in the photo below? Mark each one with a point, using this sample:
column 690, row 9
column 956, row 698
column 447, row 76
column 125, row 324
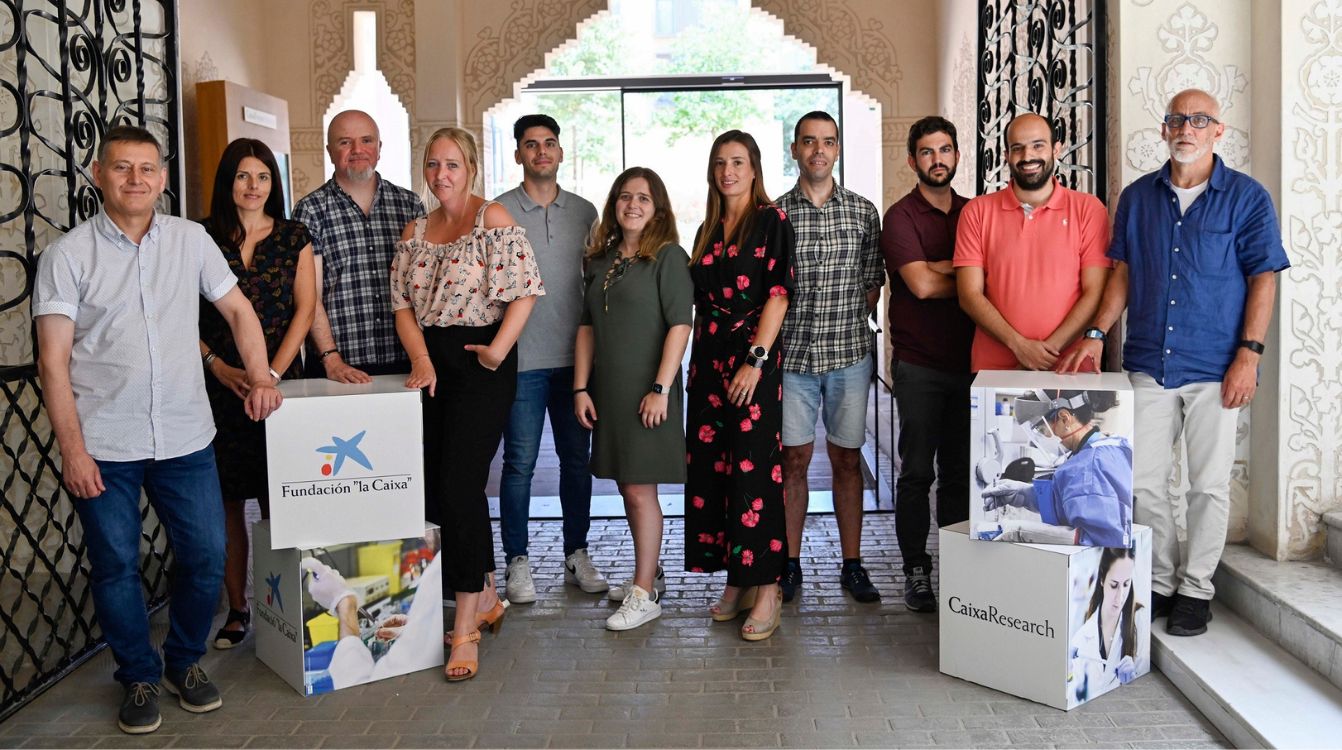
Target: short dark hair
column 128, row 134
column 929, row 125
column 813, row 115
column 534, row 121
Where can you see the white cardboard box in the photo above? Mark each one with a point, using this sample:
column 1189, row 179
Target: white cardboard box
column 1072, row 485
column 397, row 586
column 1014, row 617
column 346, row 462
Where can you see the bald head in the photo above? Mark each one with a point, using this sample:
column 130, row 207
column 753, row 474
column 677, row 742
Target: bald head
column 354, row 144
column 1031, row 122
column 1194, row 101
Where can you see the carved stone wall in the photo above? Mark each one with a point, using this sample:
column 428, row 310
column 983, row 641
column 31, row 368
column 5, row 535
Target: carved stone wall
column 1163, row 48
column 1307, row 327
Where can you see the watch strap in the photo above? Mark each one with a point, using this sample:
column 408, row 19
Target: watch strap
column 1095, row 333
column 1254, row 346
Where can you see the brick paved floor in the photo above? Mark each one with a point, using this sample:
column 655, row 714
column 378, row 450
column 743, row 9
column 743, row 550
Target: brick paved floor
column 837, row 674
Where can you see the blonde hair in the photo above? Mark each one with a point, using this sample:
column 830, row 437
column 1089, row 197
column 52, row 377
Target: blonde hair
column 713, row 212
column 659, row 233
column 466, row 142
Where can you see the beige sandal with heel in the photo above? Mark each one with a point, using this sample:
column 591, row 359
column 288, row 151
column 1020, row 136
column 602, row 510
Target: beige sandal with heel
column 758, row 630
column 727, row 611
column 471, row 666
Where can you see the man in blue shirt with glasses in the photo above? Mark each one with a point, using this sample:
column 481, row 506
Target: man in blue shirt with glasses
column 1198, row 248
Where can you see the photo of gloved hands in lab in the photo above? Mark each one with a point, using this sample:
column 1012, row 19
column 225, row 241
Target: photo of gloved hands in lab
column 1068, row 481
column 385, row 621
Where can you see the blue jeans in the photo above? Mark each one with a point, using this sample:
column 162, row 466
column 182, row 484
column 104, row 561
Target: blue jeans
column 184, row 492
column 537, row 391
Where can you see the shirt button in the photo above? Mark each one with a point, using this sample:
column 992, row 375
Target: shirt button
column 1178, row 223
column 1176, row 249
column 1167, row 351
column 1174, row 276
column 1171, row 328
column 1171, row 302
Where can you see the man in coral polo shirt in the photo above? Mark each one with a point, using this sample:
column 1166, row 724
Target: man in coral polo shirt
column 1030, row 258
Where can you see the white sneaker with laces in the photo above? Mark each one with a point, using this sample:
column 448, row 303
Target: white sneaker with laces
column 579, row 571
column 638, row 608
column 520, row 588
column 617, row 593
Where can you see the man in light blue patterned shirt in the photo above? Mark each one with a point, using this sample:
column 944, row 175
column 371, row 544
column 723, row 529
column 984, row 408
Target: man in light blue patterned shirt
column 117, row 301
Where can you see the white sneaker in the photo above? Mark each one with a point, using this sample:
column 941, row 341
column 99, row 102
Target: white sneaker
column 617, row 593
column 638, row 608
column 520, row 588
column 579, row 571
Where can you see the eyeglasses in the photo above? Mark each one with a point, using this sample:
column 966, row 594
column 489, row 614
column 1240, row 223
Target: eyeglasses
column 1175, row 122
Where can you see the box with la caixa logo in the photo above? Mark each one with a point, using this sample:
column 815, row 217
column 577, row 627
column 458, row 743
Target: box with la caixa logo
column 333, row 616
column 345, row 462
column 1056, row 624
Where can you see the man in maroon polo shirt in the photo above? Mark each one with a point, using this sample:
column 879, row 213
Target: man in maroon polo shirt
column 930, row 337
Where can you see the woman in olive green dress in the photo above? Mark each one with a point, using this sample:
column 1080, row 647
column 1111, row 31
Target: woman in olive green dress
column 626, row 376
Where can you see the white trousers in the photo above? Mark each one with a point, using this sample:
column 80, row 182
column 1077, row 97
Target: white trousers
column 1161, row 414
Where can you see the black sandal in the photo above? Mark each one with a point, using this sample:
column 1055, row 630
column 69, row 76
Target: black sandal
column 225, row 638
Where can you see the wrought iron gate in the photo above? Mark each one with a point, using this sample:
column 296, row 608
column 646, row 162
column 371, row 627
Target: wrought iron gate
column 69, row 69
column 1044, row 56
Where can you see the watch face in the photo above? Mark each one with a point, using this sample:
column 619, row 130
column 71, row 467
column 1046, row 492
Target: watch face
column 657, row 388
column 758, row 351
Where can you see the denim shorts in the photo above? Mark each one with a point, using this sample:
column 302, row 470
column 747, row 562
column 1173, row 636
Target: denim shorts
column 844, row 392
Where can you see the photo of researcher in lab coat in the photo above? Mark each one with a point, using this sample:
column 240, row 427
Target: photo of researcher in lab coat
column 1075, row 484
column 392, row 635
column 1110, row 642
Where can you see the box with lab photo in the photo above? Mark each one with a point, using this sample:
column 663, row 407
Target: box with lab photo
column 1055, row 624
column 345, row 462
column 1051, row 458
column 333, row 616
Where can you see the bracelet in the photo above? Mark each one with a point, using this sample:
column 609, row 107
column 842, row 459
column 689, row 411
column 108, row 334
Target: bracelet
column 576, row 391
column 326, row 353
column 209, row 358
column 1254, row 346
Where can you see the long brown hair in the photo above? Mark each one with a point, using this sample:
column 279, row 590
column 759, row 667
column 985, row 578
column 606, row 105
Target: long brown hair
column 1128, row 620
column 223, row 223
column 715, row 208
column 660, row 230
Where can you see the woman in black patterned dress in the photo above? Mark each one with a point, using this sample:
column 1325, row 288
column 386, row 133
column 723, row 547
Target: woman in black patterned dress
column 742, row 271
column 272, row 258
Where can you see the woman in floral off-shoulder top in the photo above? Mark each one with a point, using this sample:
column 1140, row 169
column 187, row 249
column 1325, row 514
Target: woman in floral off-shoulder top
column 463, row 283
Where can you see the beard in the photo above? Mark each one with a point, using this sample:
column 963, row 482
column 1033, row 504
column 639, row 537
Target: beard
column 1186, row 156
column 360, row 175
column 1025, row 182
column 927, row 179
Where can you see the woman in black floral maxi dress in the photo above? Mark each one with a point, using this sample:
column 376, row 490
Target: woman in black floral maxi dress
column 742, row 271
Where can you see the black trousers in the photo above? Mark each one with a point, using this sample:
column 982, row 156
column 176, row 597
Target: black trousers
column 933, row 445
column 463, row 424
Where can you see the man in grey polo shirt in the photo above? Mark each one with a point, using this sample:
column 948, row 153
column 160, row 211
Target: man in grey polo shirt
column 558, row 224
column 117, row 302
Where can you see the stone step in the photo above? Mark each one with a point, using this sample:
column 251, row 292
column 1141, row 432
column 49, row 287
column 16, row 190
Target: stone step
column 1332, row 551
column 1297, row 605
column 1250, row 689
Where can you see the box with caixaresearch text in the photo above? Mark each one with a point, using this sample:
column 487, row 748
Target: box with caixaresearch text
column 1055, row 624
column 332, row 616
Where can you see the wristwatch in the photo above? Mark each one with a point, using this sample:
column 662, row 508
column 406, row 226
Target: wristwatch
column 1094, row 333
column 658, row 388
column 756, row 356
column 275, row 375
column 1254, row 346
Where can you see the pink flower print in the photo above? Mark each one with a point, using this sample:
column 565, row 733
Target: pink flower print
column 747, row 556
column 706, row 434
column 780, row 393
column 689, row 458
column 777, row 290
column 777, row 473
column 781, row 214
column 775, row 545
column 772, row 261
column 746, row 464
column 727, row 292
column 757, row 504
column 714, row 401
column 722, row 539
column 707, row 260
column 717, row 365
column 696, row 569
column 750, row 519
column 721, row 467
column 706, row 538
column 747, row 425
column 742, row 281
column 755, row 412
column 712, row 326
column 697, row 501
column 732, row 251
column 759, row 252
